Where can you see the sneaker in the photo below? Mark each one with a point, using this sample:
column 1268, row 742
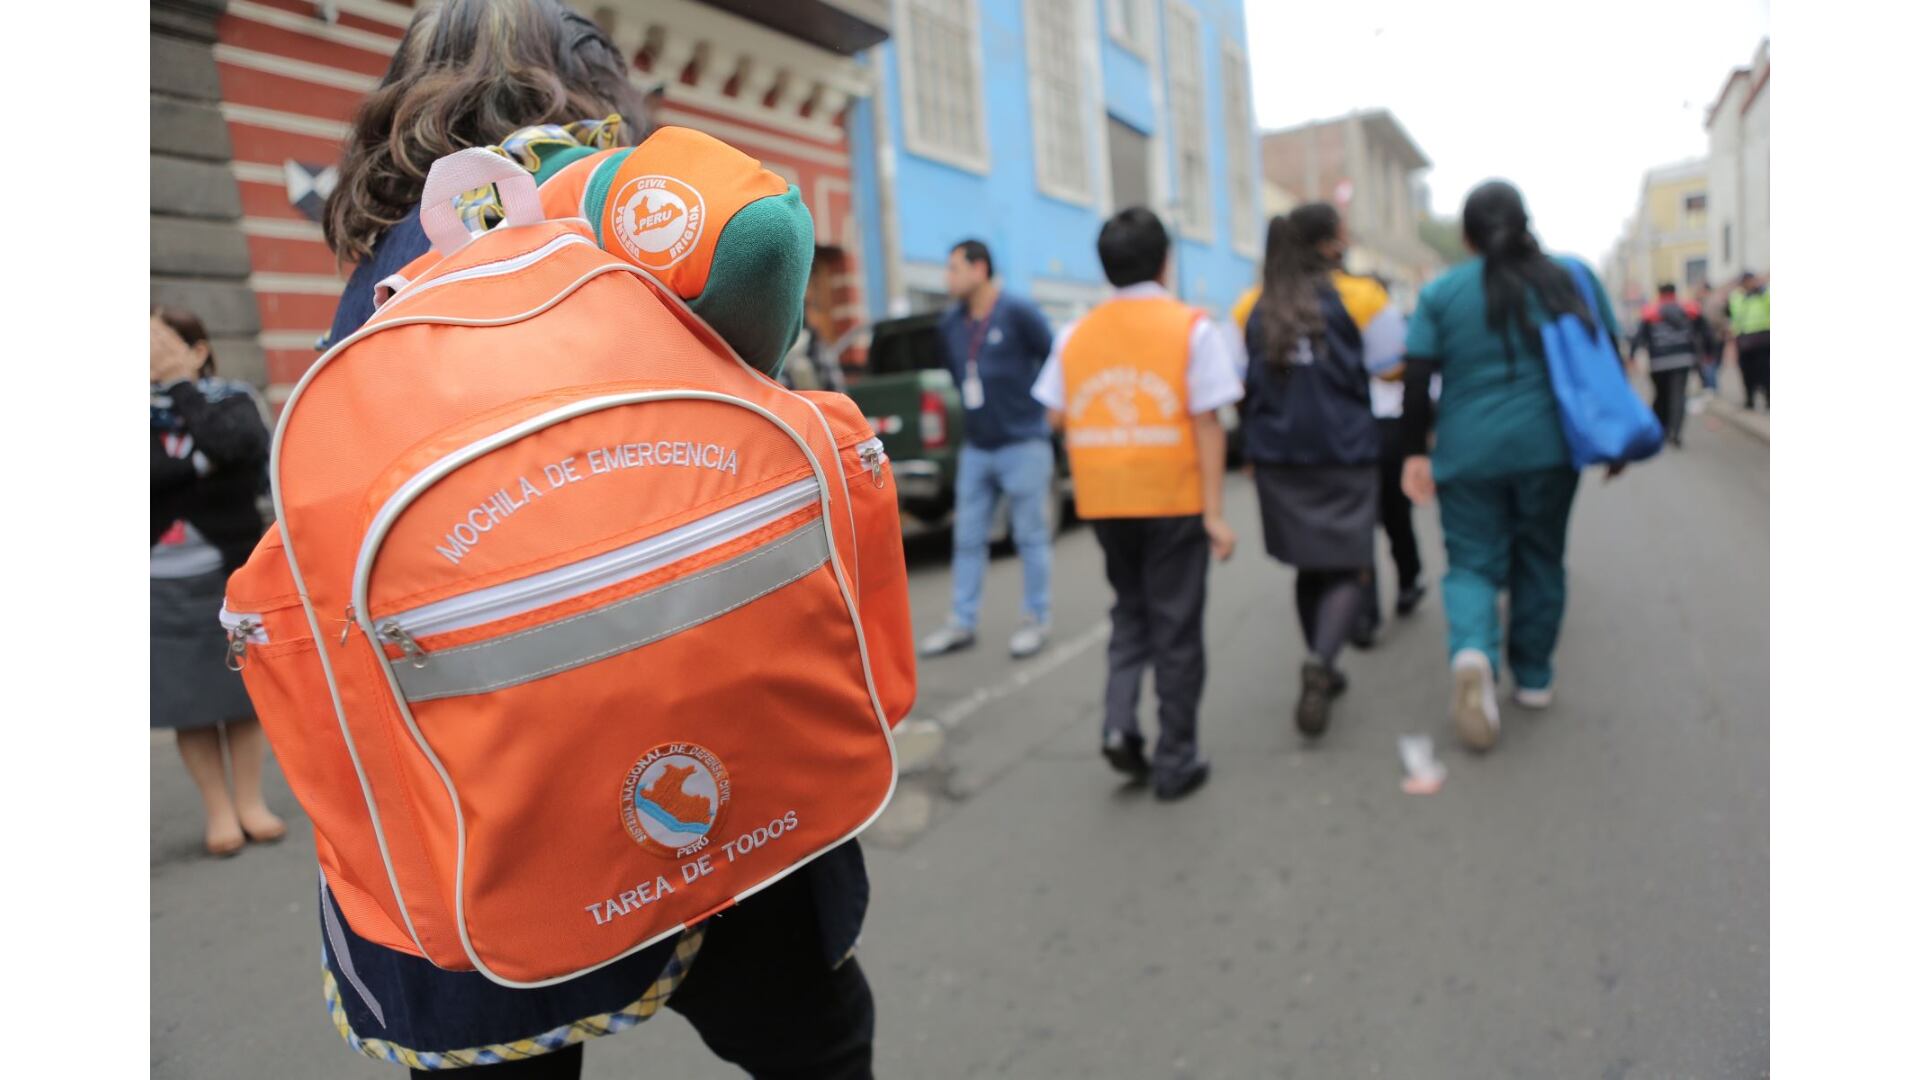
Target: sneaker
column 1409, row 598
column 1127, row 754
column 1187, row 784
column 950, row 638
column 1030, row 638
column 1476, row 716
column 1319, row 685
column 1529, row 698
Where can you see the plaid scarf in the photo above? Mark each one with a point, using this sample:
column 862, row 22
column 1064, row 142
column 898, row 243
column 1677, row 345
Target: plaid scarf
column 532, row 148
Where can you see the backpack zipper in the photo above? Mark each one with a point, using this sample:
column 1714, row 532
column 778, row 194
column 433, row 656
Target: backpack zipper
column 593, row 574
column 873, row 454
column 242, row 630
column 491, row 269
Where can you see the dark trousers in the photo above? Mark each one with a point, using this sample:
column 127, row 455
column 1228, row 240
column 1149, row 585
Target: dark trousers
column 761, row 996
column 1396, row 511
column 1670, row 400
column 1158, row 570
column 1755, row 367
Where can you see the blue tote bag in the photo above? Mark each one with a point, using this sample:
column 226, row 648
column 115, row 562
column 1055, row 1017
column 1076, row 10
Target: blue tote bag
column 1604, row 420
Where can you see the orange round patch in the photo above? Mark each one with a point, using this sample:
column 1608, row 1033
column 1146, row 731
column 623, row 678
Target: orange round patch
column 657, row 220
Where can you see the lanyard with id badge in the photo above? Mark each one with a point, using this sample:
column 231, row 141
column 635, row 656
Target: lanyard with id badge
column 973, row 394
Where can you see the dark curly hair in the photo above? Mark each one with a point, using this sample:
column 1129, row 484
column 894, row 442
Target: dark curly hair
column 469, row 73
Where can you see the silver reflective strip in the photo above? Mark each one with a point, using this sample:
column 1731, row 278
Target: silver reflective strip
column 337, row 940
column 627, row 624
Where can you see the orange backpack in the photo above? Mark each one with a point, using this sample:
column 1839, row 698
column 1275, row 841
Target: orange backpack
column 574, row 628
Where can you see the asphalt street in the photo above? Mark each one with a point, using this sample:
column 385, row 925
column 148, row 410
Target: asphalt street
column 1588, row 901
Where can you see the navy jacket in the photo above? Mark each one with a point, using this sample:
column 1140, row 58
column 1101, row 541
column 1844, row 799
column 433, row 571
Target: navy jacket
column 1314, row 411
column 1014, row 344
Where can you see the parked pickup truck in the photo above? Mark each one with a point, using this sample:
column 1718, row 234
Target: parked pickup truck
column 910, row 399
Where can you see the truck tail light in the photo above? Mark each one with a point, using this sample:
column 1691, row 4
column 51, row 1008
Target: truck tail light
column 933, row 420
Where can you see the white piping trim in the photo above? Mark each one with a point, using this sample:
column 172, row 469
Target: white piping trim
column 833, row 553
column 494, row 268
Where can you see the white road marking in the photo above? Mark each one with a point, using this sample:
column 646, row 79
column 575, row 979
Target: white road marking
column 1025, row 675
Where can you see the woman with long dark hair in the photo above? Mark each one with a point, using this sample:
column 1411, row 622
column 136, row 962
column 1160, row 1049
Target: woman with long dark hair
column 209, row 439
column 1499, row 462
column 1310, row 434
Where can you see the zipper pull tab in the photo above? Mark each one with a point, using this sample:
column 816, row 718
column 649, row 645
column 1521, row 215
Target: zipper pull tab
column 348, row 628
column 392, row 633
column 871, row 457
column 237, row 644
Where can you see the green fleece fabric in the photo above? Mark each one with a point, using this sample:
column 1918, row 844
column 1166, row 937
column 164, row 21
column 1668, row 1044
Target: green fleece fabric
column 560, row 159
column 756, row 294
column 756, row 291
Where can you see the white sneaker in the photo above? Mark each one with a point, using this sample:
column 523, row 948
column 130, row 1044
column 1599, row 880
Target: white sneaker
column 950, row 638
column 1030, row 638
column 1476, row 715
column 1533, row 699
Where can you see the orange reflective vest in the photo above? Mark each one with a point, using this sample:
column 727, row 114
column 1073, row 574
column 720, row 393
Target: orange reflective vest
column 1129, row 433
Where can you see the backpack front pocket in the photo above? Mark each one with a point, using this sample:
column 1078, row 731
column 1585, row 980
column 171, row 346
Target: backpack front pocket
column 630, row 703
column 271, row 643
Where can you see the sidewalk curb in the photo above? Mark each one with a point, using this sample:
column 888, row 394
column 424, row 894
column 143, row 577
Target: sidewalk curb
column 1757, row 425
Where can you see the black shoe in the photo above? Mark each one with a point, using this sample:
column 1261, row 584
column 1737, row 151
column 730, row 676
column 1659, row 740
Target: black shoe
column 1127, row 754
column 1409, row 598
column 1319, row 685
column 1169, row 790
column 1365, row 629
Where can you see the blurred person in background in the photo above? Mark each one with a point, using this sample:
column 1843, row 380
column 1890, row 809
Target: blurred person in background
column 994, row 344
column 1310, row 434
column 1499, row 460
column 1749, row 314
column 1137, row 385
column 771, row 986
column 209, row 449
column 1674, row 337
column 1384, row 337
column 1710, row 359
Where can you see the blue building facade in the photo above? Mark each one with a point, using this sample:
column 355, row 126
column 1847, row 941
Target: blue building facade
column 1026, row 123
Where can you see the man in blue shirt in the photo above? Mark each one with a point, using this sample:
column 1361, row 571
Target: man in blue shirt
column 994, row 344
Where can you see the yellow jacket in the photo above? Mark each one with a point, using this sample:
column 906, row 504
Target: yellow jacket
column 1364, row 298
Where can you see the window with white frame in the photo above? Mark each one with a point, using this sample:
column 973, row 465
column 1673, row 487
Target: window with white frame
column 940, row 82
column 1187, row 99
column 1129, row 23
column 1237, row 117
column 1055, row 83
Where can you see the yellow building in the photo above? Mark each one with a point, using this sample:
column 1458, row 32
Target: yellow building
column 1667, row 241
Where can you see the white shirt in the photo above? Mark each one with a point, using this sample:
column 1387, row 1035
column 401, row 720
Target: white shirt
column 1213, row 375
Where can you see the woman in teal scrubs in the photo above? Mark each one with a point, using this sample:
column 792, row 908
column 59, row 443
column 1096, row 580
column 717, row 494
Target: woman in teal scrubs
column 1499, row 461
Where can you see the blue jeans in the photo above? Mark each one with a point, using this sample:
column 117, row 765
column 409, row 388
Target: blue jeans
column 1023, row 472
column 1508, row 532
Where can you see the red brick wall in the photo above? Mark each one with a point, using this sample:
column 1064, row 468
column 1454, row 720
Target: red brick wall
column 291, row 83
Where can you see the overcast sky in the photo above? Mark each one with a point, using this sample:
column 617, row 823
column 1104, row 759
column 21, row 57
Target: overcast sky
column 1570, row 102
